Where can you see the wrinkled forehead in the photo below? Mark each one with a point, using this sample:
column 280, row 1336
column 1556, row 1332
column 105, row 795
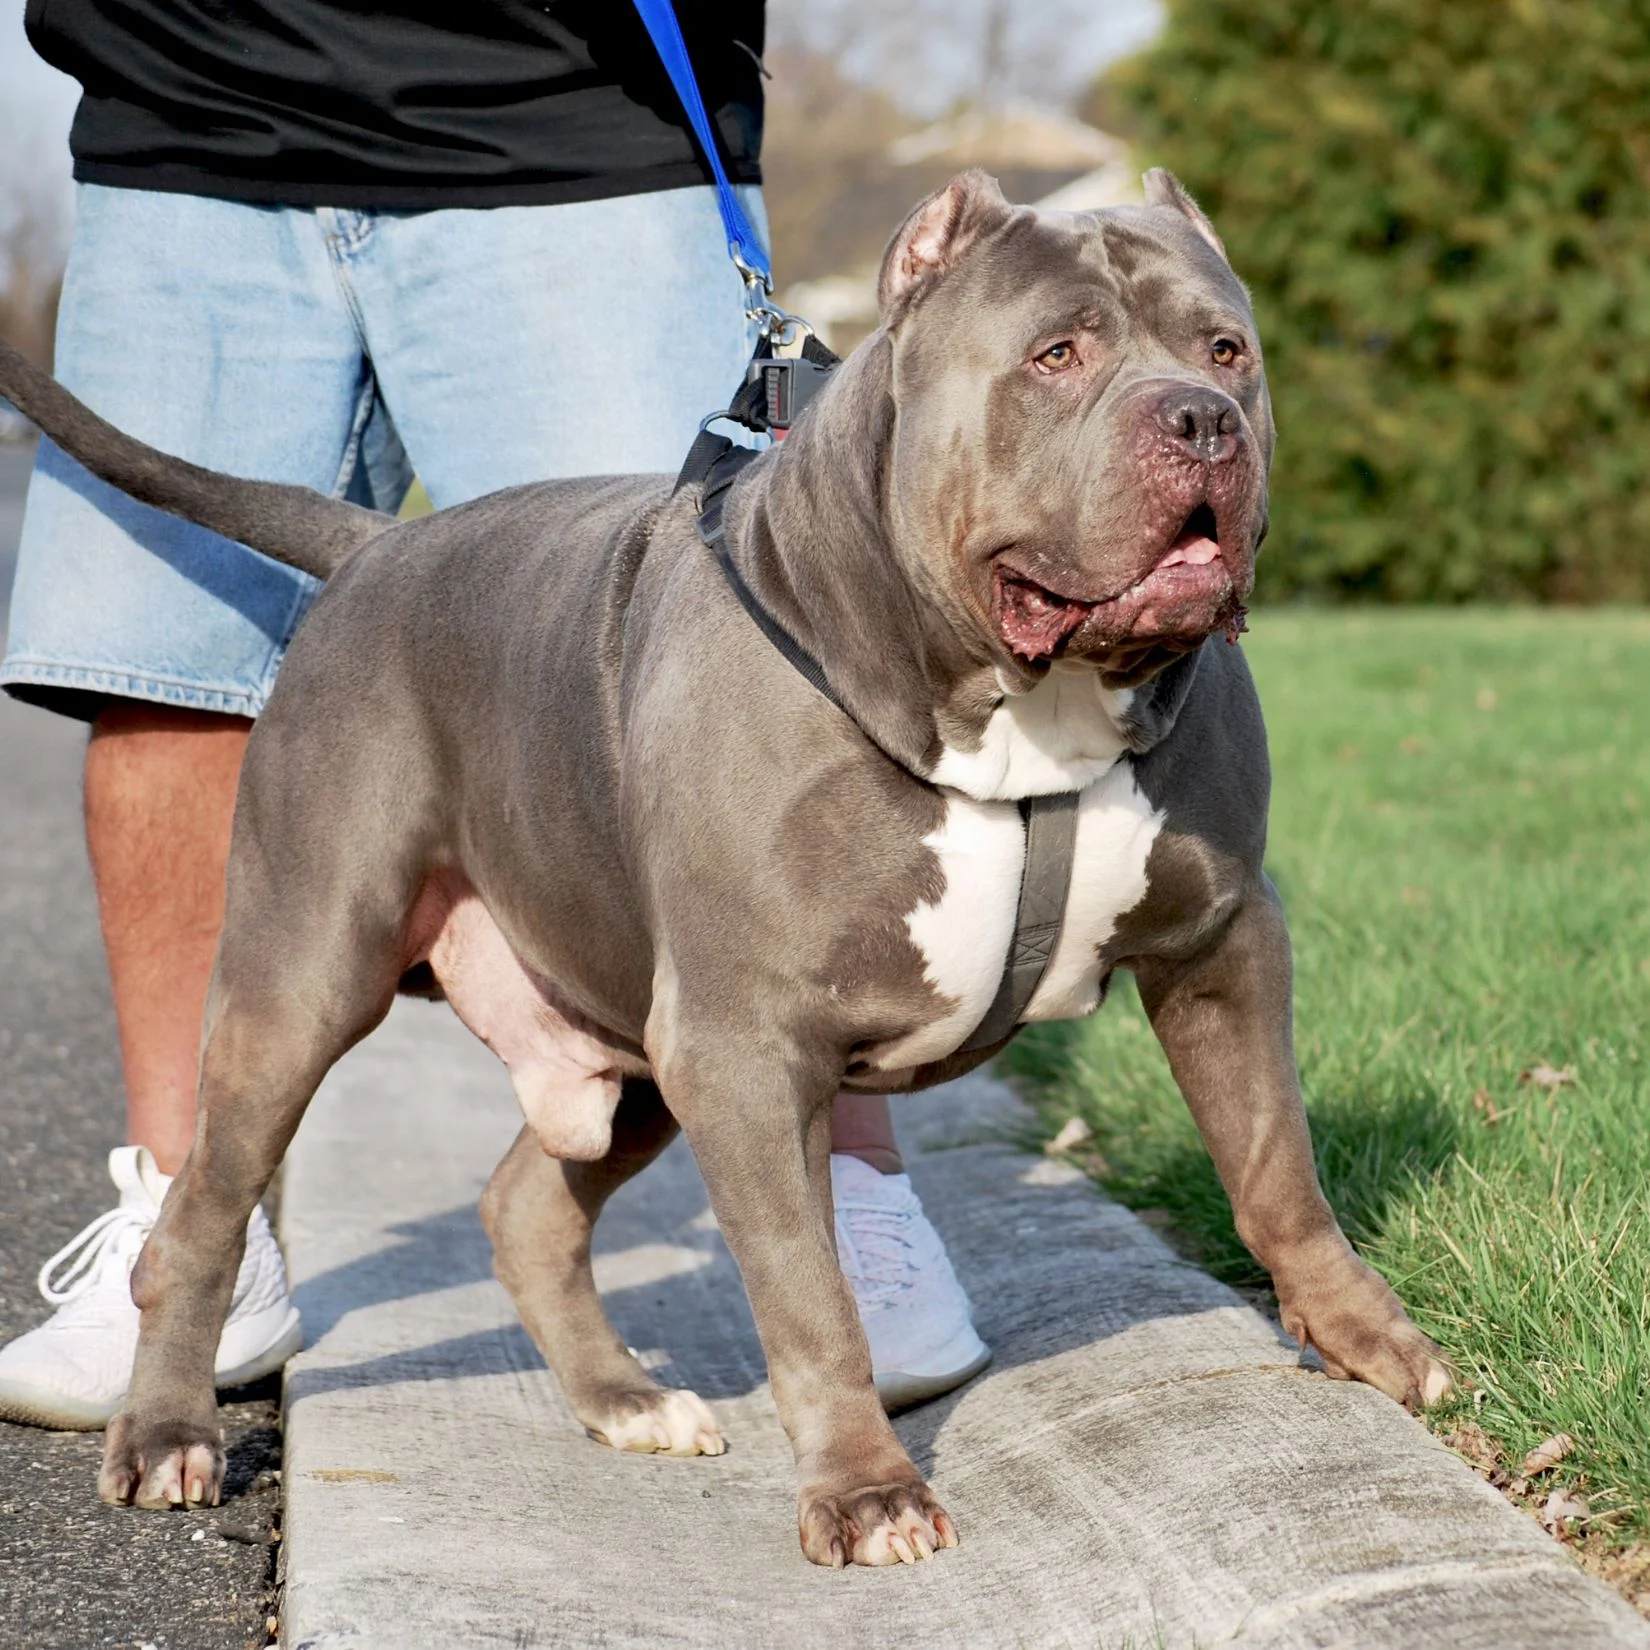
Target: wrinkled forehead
column 1122, row 270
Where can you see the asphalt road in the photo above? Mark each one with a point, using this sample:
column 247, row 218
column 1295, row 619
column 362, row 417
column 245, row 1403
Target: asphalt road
column 74, row 1574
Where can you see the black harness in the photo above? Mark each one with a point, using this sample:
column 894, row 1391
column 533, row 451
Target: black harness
column 774, row 391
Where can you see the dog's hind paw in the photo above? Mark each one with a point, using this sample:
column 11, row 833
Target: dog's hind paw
column 663, row 1421
column 879, row 1524
column 161, row 1465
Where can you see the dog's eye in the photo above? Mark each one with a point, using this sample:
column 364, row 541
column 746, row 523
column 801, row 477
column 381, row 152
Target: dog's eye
column 1226, row 351
column 1057, row 357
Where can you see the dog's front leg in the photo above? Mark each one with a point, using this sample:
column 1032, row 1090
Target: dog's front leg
column 760, row 1128
column 1224, row 1020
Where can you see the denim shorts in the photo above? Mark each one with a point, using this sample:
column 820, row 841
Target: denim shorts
column 343, row 350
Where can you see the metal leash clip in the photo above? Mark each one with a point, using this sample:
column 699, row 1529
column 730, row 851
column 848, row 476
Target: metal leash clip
column 775, row 326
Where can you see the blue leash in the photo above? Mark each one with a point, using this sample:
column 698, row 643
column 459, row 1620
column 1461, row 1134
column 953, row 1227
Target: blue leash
column 744, row 247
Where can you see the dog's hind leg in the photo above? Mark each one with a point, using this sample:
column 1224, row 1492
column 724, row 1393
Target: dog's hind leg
column 540, row 1211
column 307, row 965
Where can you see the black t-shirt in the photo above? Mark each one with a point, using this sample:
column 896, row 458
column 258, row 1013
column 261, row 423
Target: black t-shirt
column 492, row 103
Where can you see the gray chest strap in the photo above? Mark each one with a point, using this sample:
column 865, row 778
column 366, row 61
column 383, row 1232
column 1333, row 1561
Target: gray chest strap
column 1050, row 821
column 1045, row 880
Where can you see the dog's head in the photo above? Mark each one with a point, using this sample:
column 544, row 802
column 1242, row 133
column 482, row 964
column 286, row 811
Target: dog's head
column 1083, row 431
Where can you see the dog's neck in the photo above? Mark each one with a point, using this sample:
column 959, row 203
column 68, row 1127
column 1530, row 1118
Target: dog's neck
column 807, row 530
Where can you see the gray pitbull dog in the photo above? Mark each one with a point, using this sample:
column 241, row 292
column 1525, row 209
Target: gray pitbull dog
column 537, row 744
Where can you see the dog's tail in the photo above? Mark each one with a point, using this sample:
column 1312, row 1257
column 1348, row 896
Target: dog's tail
column 295, row 525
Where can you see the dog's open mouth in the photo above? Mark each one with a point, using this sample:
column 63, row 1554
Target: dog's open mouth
column 1186, row 590
column 1196, row 544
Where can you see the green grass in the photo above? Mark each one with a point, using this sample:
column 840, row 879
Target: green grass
column 1460, row 831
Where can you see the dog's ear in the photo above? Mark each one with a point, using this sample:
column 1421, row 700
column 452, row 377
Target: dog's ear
column 936, row 236
column 1165, row 189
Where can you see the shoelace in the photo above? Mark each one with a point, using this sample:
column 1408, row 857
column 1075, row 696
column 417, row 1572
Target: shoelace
column 120, row 1232
column 878, row 1248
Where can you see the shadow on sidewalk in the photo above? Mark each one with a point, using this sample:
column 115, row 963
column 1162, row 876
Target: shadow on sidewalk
column 1033, row 1286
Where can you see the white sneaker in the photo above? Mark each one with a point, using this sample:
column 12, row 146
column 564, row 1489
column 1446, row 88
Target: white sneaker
column 915, row 1313
column 72, row 1372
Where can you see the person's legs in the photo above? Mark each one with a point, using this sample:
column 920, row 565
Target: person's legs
column 862, row 1126
column 160, row 794
column 214, row 331
column 520, row 344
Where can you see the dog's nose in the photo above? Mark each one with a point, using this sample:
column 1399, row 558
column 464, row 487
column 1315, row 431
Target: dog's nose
column 1203, row 421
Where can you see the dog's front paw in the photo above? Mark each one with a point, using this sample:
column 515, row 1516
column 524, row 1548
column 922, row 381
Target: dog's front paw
column 1361, row 1331
column 878, row 1524
column 161, row 1464
column 657, row 1421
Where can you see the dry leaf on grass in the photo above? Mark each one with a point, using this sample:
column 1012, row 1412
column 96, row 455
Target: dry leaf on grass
column 1073, row 1132
column 1474, row 1446
column 1561, row 1507
column 1544, row 1076
column 1485, row 1107
column 1548, row 1453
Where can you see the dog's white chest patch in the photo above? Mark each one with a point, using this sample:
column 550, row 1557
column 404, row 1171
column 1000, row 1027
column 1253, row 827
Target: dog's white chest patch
column 1062, row 735
column 964, row 935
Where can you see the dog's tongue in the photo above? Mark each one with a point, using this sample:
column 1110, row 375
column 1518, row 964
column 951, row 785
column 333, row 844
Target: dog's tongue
column 1034, row 621
column 1191, row 549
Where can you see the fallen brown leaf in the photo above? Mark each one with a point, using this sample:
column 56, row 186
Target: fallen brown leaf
column 1485, row 1106
column 1547, row 1454
column 1624, row 1566
column 1073, row 1132
column 1544, row 1076
column 1561, row 1508
column 1475, row 1446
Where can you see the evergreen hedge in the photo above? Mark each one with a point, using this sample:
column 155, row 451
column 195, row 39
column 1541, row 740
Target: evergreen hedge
column 1443, row 210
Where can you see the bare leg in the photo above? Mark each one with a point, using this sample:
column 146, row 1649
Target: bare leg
column 862, row 1127
column 160, row 795
column 540, row 1212
column 1224, row 1021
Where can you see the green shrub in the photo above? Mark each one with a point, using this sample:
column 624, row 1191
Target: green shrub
column 1443, row 211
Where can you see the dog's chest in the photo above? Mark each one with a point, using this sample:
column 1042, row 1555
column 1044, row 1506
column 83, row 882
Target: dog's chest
column 964, row 935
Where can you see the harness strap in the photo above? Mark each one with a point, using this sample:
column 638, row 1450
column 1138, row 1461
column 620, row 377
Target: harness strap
column 722, row 474
column 1045, row 881
column 1050, row 822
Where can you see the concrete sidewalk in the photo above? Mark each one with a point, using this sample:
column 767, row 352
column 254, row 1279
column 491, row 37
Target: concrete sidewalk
column 1144, row 1464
